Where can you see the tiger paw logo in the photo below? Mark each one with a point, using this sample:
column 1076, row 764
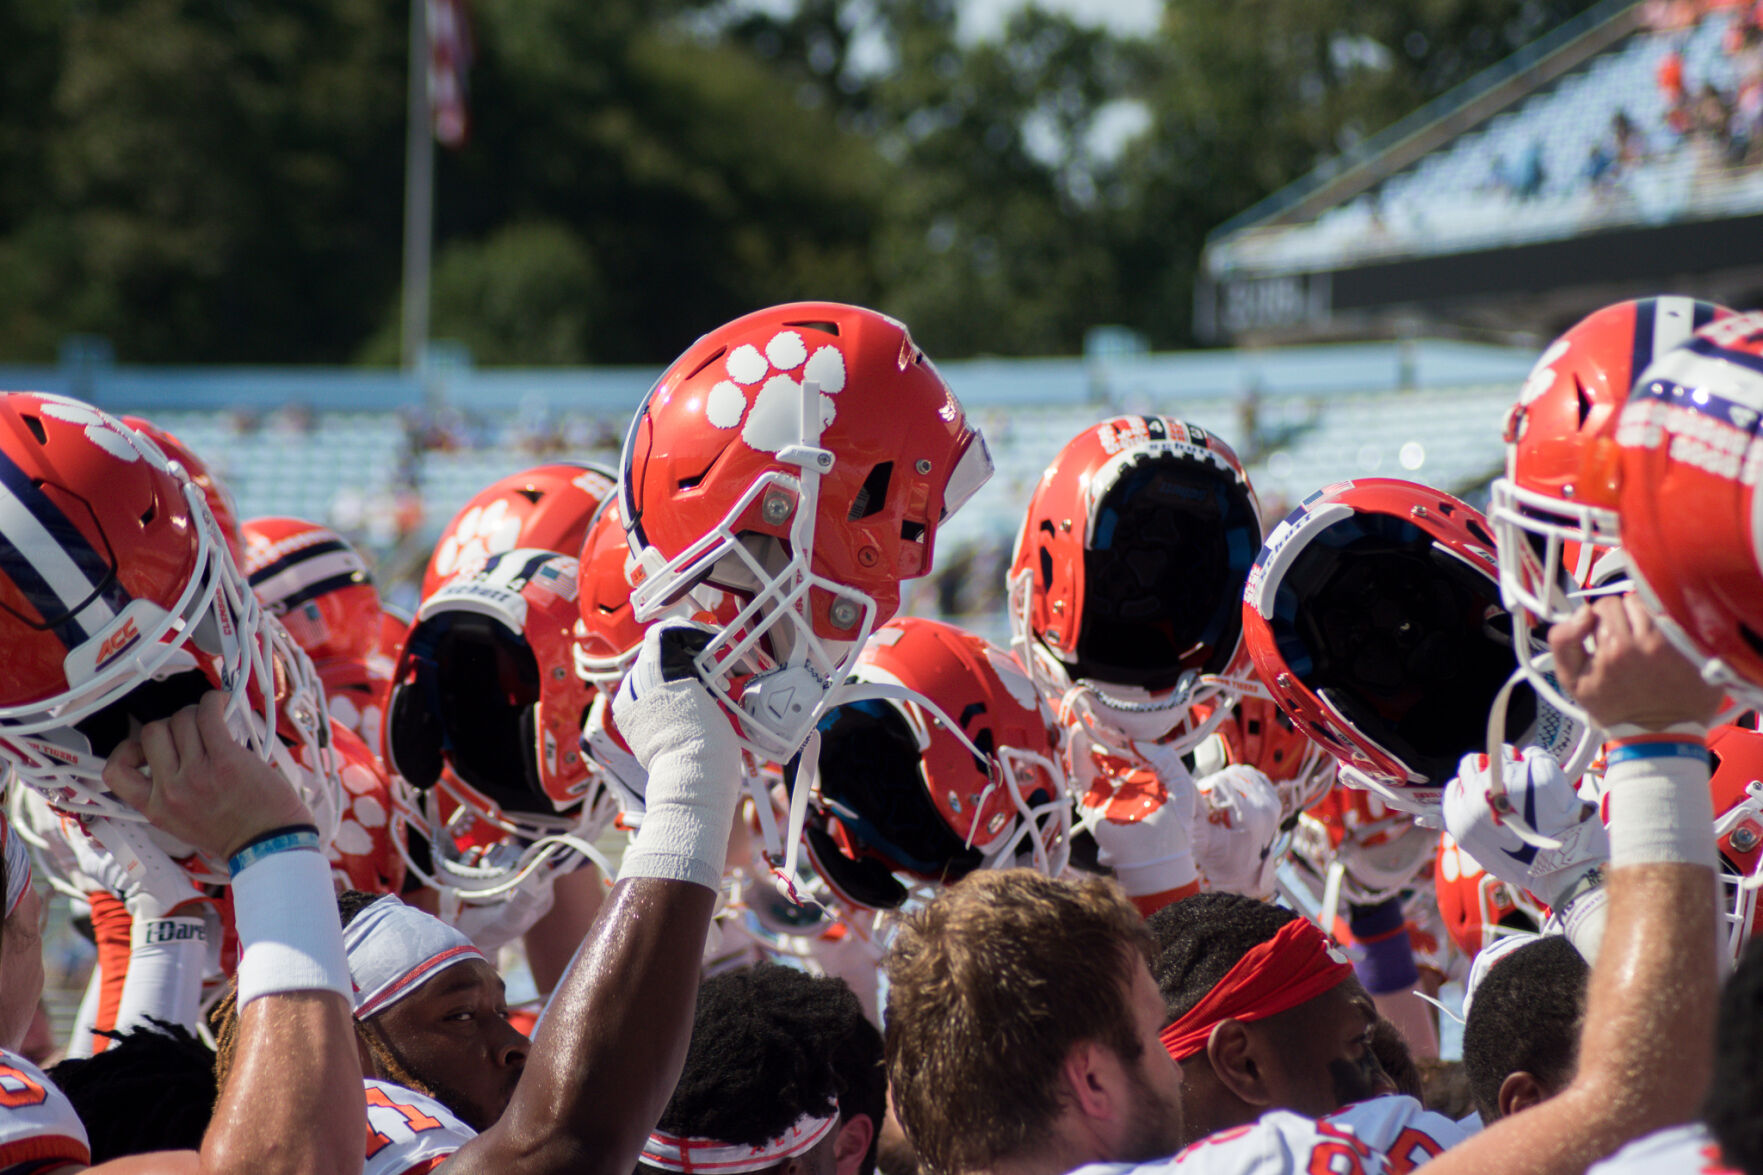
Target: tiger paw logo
column 764, row 388
column 482, row 531
column 102, row 429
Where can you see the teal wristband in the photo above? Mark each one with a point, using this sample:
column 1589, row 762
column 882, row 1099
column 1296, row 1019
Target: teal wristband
column 281, row 840
column 1661, row 749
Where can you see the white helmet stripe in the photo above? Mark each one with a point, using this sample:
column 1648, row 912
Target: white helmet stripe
column 51, row 565
column 1674, row 321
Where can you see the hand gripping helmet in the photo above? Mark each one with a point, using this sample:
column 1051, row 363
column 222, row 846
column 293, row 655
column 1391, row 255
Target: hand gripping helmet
column 1737, row 784
column 1126, row 576
column 546, row 507
column 311, row 579
column 118, row 601
column 1691, row 520
column 1554, row 513
column 799, row 459
column 1257, row 733
column 607, row 640
column 940, row 759
column 214, row 491
column 1373, row 616
column 1478, row 908
column 486, row 710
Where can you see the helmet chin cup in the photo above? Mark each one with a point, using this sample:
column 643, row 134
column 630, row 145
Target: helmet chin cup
column 785, row 702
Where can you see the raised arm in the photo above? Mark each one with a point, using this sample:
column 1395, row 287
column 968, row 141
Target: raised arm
column 293, row 1102
column 1646, row 1049
column 611, row 1045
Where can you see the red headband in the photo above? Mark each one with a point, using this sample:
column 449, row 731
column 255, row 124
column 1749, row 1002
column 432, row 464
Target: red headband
column 1293, row 967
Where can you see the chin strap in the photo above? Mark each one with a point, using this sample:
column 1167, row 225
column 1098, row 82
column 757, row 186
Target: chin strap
column 1574, row 756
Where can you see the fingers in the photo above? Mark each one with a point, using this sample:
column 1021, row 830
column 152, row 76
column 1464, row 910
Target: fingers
column 187, row 739
column 211, row 725
column 1633, row 674
column 1638, row 621
column 122, row 775
column 1567, row 641
column 158, row 749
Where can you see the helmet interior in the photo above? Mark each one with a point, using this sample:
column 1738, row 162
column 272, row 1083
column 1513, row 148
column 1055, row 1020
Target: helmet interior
column 1163, row 574
column 1404, row 637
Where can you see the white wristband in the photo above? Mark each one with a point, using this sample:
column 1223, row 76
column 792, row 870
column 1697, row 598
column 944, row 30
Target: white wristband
column 286, row 911
column 1661, row 812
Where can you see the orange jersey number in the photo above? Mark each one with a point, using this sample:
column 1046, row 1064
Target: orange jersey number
column 417, row 1120
column 19, row 1089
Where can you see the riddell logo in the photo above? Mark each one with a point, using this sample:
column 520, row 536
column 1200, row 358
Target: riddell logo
column 116, row 642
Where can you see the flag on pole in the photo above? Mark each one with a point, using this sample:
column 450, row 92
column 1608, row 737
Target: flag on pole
column 449, row 59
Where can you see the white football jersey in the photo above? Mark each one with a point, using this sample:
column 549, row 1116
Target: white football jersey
column 38, row 1126
column 1277, row 1143
column 1683, row 1150
column 1400, row 1129
column 408, row 1133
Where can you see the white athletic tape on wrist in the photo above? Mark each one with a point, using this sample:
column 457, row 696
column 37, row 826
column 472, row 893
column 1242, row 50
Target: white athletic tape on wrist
column 1661, row 812
column 167, row 959
column 684, row 835
column 286, row 911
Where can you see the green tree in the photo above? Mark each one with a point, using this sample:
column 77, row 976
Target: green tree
column 214, row 179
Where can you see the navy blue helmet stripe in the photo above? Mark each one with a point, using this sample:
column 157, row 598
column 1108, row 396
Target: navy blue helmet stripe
column 326, row 547
column 31, row 548
column 1646, row 313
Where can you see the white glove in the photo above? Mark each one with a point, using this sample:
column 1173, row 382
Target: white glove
column 141, row 874
column 493, row 925
column 171, row 920
column 1142, row 818
column 1568, row 879
column 1547, row 801
column 685, row 742
column 1234, row 830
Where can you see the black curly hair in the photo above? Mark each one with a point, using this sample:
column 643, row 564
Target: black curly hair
column 151, row 1089
column 1734, row 1109
column 1200, row 938
column 1526, row 1018
column 769, row 1045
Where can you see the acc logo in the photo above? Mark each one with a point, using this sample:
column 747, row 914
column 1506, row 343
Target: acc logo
column 117, row 643
column 769, row 423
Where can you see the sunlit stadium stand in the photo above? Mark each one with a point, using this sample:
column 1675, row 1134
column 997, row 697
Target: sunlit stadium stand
column 1514, row 203
column 388, row 459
